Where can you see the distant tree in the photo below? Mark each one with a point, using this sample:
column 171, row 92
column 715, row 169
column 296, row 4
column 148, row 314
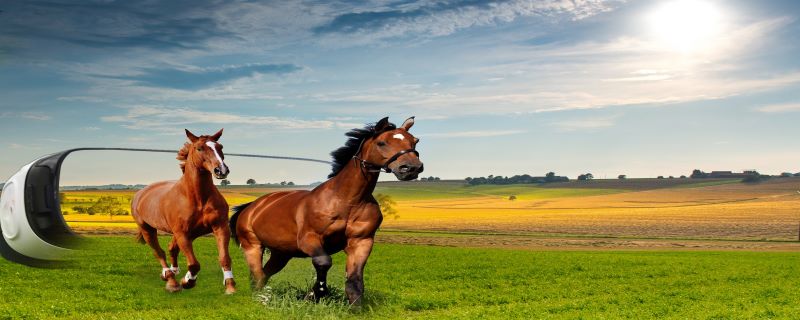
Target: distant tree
column 755, row 178
column 512, row 197
column 584, row 177
column 660, row 177
column 696, row 173
column 468, row 180
column 622, row 177
column 672, row 177
column 251, row 181
column 431, row 178
column 683, row 176
column 224, row 182
column 797, row 174
column 283, row 183
column 436, row 179
column 387, row 205
column 79, row 209
column 490, row 177
column 786, row 174
column 290, row 183
column 423, row 179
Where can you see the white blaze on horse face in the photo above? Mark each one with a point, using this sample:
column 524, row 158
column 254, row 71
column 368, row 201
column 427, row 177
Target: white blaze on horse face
column 213, row 146
column 399, row 136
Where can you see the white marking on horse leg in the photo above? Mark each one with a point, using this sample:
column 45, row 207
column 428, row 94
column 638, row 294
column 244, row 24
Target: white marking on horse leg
column 213, row 146
column 399, row 136
column 226, row 275
column 189, row 276
column 164, row 272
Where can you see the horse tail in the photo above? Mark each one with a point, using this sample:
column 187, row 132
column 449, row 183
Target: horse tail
column 235, row 217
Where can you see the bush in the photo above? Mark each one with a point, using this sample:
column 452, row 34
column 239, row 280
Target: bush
column 512, row 197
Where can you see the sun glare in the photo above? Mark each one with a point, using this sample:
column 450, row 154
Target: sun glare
column 686, row 26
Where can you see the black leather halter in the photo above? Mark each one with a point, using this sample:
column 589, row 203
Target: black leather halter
column 373, row 167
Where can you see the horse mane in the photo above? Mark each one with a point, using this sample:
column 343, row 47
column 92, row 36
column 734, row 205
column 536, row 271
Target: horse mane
column 356, row 136
column 183, row 155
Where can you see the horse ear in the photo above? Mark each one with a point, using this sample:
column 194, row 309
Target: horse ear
column 408, row 123
column 216, row 136
column 193, row 138
column 382, row 124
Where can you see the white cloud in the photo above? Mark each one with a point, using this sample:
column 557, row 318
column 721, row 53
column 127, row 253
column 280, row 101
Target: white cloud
column 161, row 118
column 40, row 116
column 780, row 108
column 585, row 124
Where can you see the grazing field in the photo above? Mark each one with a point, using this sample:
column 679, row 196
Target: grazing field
column 118, row 279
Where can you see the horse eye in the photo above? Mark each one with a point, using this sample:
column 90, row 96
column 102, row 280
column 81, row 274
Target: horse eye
column 381, row 143
column 199, row 148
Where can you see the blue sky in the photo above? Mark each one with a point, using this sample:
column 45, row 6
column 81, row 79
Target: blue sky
column 642, row 88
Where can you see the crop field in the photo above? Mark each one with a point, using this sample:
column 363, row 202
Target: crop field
column 117, row 278
column 634, row 213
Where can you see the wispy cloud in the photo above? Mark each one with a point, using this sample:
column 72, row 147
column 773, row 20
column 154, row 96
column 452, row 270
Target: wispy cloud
column 159, row 118
column 40, row 116
column 198, row 78
column 780, row 108
column 585, row 124
column 433, row 19
column 89, row 99
column 473, row 134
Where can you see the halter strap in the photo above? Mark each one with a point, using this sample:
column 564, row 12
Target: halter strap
column 372, row 167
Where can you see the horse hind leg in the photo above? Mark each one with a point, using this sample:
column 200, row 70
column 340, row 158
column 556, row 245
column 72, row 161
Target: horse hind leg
column 276, row 262
column 254, row 255
column 150, row 236
column 174, row 251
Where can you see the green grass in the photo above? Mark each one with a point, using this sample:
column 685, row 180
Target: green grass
column 119, row 279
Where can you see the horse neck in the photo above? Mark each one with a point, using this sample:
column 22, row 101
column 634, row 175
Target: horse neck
column 353, row 183
column 198, row 182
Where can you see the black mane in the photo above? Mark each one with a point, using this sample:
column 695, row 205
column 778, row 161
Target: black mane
column 343, row 155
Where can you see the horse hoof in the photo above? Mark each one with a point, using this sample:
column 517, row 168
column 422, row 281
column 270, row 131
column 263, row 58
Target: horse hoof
column 165, row 276
column 230, row 286
column 172, row 289
column 188, row 284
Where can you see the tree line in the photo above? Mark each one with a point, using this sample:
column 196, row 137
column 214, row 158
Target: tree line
column 517, row 179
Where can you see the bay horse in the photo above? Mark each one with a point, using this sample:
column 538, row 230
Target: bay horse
column 340, row 214
column 188, row 208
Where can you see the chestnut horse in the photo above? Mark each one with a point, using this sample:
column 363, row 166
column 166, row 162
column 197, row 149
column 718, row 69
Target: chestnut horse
column 187, row 208
column 341, row 213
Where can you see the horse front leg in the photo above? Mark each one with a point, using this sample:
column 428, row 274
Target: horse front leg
column 223, row 235
column 358, row 250
column 185, row 244
column 311, row 244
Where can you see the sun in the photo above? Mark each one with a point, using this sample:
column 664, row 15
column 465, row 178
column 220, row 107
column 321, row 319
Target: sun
column 686, row 26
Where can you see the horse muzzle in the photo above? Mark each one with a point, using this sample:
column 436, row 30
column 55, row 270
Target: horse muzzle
column 407, row 172
column 221, row 172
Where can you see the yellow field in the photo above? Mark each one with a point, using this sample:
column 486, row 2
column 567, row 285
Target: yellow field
column 733, row 211
column 769, row 210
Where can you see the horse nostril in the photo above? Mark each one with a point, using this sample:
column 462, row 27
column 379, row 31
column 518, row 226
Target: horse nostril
column 404, row 168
